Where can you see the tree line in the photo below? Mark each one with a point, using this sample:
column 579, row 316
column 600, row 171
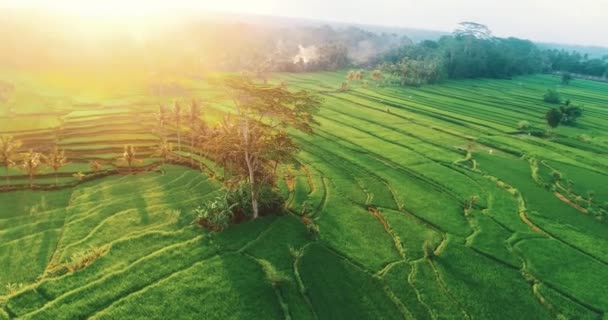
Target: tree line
column 471, row 51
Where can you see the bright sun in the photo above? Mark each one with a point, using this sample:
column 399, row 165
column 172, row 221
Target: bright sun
column 121, row 9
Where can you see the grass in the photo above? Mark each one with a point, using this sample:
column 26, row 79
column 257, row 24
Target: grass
column 381, row 178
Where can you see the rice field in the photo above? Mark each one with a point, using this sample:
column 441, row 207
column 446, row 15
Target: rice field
column 410, row 227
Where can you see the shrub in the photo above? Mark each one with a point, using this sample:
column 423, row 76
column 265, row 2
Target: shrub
column 429, row 251
column 523, row 125
column 344, row 86
column 584, row 138
column 13, row 288
column 556, row 175
column 570, row 114
column 273, row 276
column 552, row 96
column 312, row 229
column 296, row 253
column 80, row 260
column 306, row 209
column 216, row 213
column 269, row 201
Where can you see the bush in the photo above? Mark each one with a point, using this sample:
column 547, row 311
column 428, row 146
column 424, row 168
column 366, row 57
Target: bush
column 523, row 125
column 269, row 201
column 80, row 260
column 216, row 213
column 556, row 176
column 570, row 114
column 584, row 138
column 552, row 96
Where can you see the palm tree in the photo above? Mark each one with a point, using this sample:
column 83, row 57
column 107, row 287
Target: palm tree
column 194, row 121
column 177, row 117
column 56, row 159
column 31, row 163
column 129, row 156
column 8, row 153
column 351, row 75
column 204, row 134
column 162, row 117
column 164, row 150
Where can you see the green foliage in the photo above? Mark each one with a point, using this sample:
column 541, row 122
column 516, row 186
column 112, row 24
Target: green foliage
column 584, row 137
column 269, row 200
column 570, row 114
column 410, row 72
column 570, row 61
column 215, row 213
column 552, row 96
column 82, row 259
column 553, row 117
column 523, row 125
column 471, row 52
column 556, row 176
column 365, row 266
column 566, row 78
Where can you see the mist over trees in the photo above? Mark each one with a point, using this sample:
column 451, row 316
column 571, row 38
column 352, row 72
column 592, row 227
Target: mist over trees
column 470, row 52
column 197, row 45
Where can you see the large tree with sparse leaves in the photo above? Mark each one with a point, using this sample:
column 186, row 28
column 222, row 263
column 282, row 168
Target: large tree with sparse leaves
column 257, row 140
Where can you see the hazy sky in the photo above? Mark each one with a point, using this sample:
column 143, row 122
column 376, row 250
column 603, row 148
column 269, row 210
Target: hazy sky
column 573, row 21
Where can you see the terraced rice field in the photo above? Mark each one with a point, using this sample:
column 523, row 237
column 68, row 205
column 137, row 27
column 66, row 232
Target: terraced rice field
column 399, row 237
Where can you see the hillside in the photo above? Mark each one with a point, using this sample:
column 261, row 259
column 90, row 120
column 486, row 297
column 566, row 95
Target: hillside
column 430, row 204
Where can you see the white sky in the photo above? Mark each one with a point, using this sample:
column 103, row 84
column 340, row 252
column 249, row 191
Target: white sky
column 565, row 21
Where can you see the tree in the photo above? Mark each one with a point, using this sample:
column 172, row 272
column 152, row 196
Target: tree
column 55, row 160
column 194, row 121
column 164, row 150
column 128, row 156
column 570, row 113
column 566, row 78
column 8, row 153
column 553, row 117
column 31, row 163
column 177, row 120
column 263, row 114
column 162, row 117
column 552, row 96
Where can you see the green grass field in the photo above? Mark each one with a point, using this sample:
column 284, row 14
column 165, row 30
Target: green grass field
column 389, row 190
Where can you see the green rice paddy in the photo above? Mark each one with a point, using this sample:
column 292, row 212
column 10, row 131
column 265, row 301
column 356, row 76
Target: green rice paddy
column 385, row 178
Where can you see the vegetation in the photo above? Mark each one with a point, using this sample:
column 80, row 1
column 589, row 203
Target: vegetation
column 216, row 213
column 56, row 160
column 9, row 148
column 554, row 117
column 552, row 96
column 256, row 140
column 380, row 217
column 31, row 164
